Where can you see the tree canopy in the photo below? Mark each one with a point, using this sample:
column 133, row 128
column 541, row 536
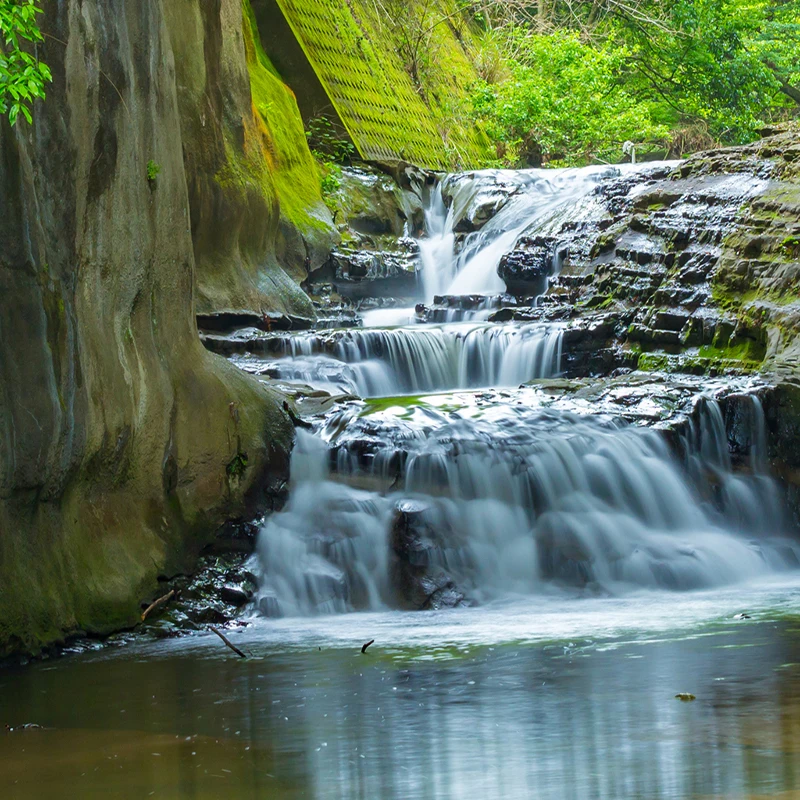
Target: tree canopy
column 571, row 82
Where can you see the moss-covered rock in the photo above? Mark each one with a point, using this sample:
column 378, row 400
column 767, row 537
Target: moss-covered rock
column 701, row 257
column 395, row 76
column 258, row 220
column 117, row 428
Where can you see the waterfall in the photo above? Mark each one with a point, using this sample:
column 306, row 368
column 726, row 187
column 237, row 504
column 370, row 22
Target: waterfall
column 478, row 496
column 326, row 551
column 753, row 501
column 382, row 363
column 520, row 503
column 436, row 248
column 533, row 201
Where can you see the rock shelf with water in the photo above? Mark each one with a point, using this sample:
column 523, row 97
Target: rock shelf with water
column 514, row 430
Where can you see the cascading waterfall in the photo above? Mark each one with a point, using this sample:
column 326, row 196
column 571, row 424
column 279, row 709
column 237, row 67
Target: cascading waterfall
column 537, row 201
column 507, row 493
column 437, row 247
column 326, row 552
column 519, row 503
column 708, row 459
column 383, row 363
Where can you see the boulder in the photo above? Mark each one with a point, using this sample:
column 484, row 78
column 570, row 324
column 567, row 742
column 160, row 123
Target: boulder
column 526, row 269
column 417, row 546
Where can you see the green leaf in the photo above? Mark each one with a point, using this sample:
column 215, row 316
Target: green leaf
column 22, row 75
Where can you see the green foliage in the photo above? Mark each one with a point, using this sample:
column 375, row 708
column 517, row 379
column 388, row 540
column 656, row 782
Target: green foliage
column 22, row 75
column 573, row 79
column 327, row 143
column 330, row 181
column 237, row 466
column 153, row 170
column 791, row 246
column 565, row 103
column 707, row 62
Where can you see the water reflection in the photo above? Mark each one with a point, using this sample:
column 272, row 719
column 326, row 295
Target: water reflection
column 564, row 720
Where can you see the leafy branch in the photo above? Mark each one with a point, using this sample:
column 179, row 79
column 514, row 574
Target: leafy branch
column 22, row 75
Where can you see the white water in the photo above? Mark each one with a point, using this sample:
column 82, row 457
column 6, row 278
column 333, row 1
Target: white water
column 518, row 506
column 382, row 363
column 541, row 200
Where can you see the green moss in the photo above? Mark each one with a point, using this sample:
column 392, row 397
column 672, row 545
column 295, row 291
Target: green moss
column 250, row 26
column 653, row 362
column 280, row 146
column 791, row 246
column 377, row 404
column 153, row 170
column 694, row 364
column 237, row 466
column 388, row 111
column 605, row 242
column 748, row 350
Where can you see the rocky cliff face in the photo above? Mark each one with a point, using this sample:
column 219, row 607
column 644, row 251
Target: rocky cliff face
column 123, row 443
column 259, row 224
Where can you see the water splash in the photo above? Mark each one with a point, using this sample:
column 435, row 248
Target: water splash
column 520, row 505
column 380, row 363
column 534, row 201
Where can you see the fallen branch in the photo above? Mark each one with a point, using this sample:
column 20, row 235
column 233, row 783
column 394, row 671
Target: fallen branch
column 296, row 421
column 364, row 648
column 228, row 644
column 160, row 602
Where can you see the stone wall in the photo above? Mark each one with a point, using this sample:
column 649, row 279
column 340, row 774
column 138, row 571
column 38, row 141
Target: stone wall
column 123, row 443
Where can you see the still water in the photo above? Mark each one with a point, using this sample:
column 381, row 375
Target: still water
column 557, row 696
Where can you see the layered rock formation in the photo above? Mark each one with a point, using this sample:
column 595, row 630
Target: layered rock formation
column 692, row 268
column 150, row 174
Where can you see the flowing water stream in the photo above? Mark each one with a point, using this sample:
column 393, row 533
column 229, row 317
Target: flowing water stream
column 506, row 495
column 577, row 568
column 525, row 200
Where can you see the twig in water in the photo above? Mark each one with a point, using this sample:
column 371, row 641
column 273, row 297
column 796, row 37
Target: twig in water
column 228, row 644
column 161, row 600
column 364, row 648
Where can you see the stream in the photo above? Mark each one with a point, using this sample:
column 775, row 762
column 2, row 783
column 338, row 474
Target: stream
column 547, row 698
column 543, row 565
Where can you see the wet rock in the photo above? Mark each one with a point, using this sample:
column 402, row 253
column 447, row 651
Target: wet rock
column 503, row 315
column 669, row 320
column 441, row 592
column 417, row 543
column 525, row 273
column 372, row 209
column 164, row 629
column 208, row 615
column 226, row 322
column 474, row 200
column 224, row 583
column 652, row 336
column 236, row 536
column 359, row 274
column 268, row 605
column 236, row 594
column 525, row 269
